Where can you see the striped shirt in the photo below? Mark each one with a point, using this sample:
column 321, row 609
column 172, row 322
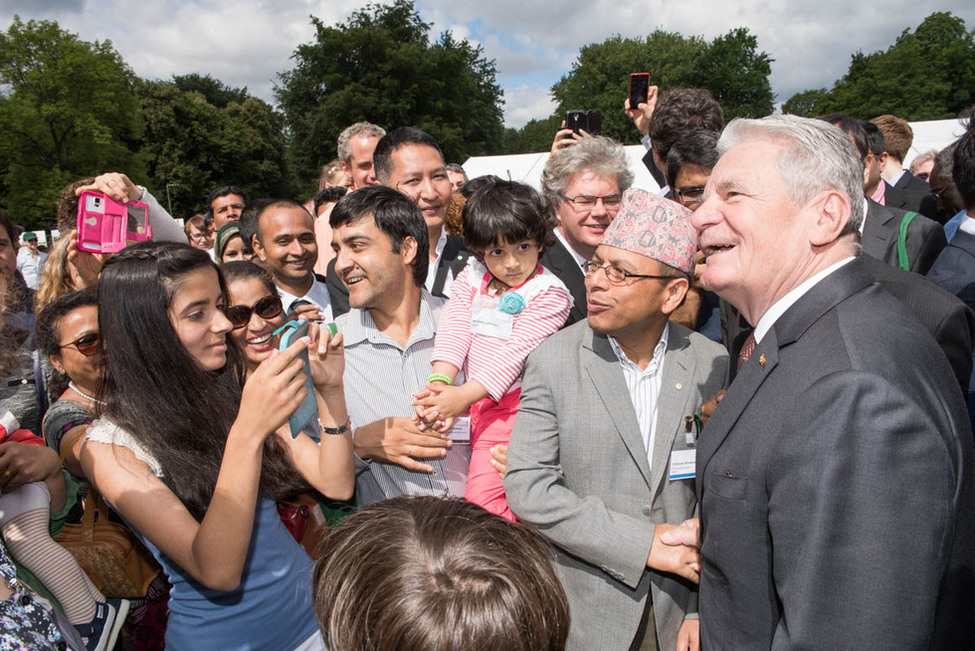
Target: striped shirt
column 381, row 377
column 496, row 361
column 644, row 388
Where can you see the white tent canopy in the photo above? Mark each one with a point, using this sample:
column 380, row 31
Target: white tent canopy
column 527, row 168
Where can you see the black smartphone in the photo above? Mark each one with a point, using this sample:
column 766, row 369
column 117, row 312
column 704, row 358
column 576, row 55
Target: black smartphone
column 594, row 122
column 639, row 88
column 577, row 121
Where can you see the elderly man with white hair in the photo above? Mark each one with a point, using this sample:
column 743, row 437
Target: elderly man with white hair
column 835, row 478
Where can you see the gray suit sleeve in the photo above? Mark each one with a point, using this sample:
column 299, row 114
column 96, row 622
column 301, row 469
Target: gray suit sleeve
column 536, row 489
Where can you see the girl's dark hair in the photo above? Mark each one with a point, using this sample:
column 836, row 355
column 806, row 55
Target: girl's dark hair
column 244, row 270
column 505, row 212
column 46, row 330
column 156, row 390
column 432, row 574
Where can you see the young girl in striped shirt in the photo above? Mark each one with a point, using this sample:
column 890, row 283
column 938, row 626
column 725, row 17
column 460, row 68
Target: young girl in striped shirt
column 502, row 306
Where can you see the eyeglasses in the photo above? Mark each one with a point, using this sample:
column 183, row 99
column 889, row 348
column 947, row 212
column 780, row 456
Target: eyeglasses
column 585, row 203
column 200, row 237
column 88, row 345
column 616, row 275
column 693, row 195
column 267, row 308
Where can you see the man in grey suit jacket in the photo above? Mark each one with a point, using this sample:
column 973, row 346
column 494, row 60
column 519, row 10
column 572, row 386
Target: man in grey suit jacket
column 602, row 453
column 835, row 478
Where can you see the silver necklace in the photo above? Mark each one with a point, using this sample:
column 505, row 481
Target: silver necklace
column 74, row 387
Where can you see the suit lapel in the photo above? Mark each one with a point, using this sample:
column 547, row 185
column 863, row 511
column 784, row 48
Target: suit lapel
column 453, row 259
column 822, row 297
column 675, row 392
column 740, row 393
column 878, row 231
column 561, row 263
column 604, row 370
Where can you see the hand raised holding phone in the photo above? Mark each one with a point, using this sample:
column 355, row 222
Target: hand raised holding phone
column 275, row 390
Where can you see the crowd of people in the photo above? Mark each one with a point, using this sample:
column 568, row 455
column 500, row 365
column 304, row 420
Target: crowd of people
column 736, row 413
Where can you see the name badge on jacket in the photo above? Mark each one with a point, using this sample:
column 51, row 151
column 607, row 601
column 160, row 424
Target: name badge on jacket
column 683, row 464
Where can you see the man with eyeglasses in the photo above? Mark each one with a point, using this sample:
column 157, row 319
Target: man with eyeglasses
column 410, row 160
column 668, row 116
column 603, row 448
column 583, row 185
column 901, row 239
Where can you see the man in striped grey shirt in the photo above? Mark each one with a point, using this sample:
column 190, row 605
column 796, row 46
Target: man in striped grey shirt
column 381, row 244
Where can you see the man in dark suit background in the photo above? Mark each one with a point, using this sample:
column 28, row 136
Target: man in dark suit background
column 898, row 138
column 835, row 479
column 880, row 230
column 954, row 270
column 582, row 185
column 885, row 193
column 410, row 160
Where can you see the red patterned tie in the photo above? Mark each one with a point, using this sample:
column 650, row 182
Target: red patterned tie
column 746, row 350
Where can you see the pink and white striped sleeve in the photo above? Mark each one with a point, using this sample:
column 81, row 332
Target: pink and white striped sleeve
column 496, row 363
column 453, row 340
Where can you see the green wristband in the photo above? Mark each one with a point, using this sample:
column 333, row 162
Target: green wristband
column 440, row 377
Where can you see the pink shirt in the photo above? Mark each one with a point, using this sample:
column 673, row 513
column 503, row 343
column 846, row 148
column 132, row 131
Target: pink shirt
column 880, row 194
column 494, row 343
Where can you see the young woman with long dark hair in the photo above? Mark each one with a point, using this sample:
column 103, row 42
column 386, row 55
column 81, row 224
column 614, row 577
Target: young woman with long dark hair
column 194, row 462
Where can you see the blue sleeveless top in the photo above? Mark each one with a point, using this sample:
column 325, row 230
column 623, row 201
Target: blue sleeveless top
column 270, row 609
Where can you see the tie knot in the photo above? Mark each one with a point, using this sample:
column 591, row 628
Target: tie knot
column 747, row 349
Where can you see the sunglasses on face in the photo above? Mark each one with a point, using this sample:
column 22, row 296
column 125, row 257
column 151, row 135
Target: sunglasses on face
column 88, row 345
column 267, row 308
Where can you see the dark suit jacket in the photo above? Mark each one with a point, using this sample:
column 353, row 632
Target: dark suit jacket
column 954, row 270
column 454, row 258
column 655, row 171
column 901, row 199
column 925, row 237
column 944, row 316
column 911, row 183
column 560, row 262
column 836, row 485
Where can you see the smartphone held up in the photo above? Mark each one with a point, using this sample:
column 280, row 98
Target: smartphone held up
column 639, row 88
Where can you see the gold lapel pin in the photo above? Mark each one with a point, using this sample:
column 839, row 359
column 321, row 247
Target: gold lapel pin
column 761, row 359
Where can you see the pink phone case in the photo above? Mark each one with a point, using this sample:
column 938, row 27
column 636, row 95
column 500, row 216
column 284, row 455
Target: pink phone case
column 107, row 226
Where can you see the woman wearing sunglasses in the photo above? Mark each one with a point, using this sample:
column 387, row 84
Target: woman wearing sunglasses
column 67, row 334
column 254, row 310
column 193, row 460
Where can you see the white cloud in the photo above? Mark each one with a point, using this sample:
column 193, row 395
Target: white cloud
column 533, row 43
column 525, row 103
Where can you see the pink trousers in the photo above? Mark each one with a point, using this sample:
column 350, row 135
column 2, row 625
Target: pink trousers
column 491, row 423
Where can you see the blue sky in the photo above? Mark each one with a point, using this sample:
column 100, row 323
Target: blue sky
column 245, row 43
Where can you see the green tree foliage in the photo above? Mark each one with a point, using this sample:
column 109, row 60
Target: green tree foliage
column 730, row 66
column 193, row 144
column 214, row 90
column 381, row 66
column 927, row 74
column 67, row 110
column 736, row 73
column 805, row 103
column 534, row 137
